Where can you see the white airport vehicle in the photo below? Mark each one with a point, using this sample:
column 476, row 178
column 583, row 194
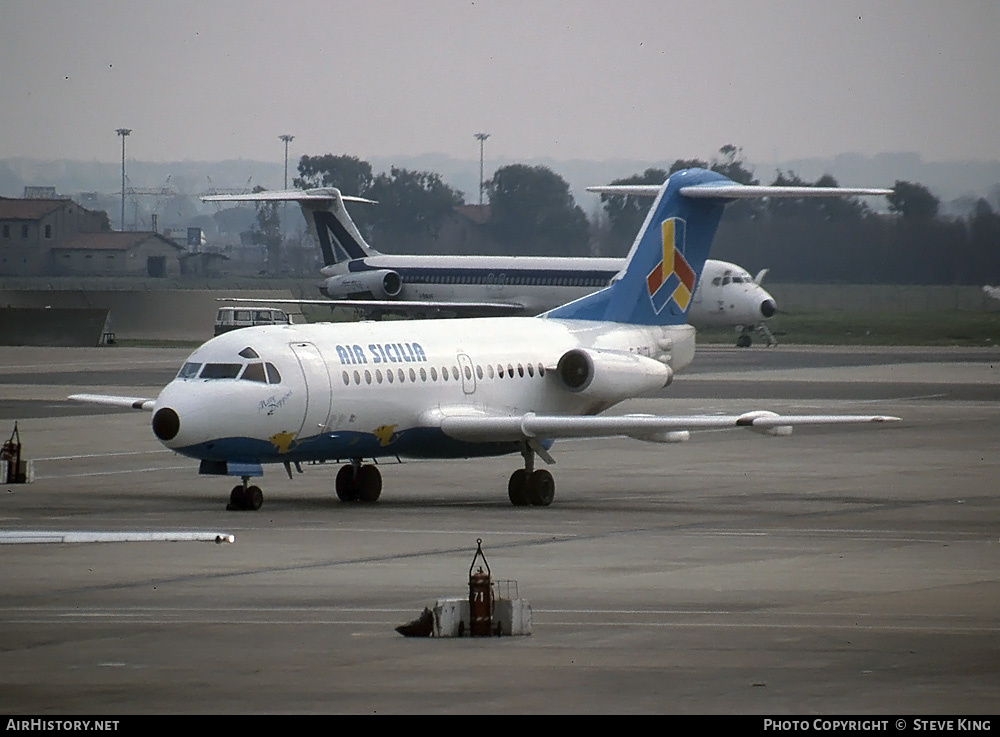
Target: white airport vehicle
column 248, row 316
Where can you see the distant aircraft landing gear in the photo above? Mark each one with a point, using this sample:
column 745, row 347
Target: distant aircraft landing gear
column 768, row 335
column 244, row 497
column 528, row 486
column 745, row 341
column 358, row 483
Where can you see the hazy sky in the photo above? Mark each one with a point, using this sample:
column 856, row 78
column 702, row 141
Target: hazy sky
column 587, row 79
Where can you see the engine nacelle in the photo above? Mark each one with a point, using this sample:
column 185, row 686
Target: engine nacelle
column 611, row 375
column 378, row 284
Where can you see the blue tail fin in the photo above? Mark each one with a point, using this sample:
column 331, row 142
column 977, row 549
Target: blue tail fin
column 665, row 262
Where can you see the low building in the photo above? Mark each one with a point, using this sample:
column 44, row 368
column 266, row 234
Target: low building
column 132, row 253
column 57, row 237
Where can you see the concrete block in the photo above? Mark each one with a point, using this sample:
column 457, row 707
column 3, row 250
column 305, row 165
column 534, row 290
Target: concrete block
column 512, row 617
column 451, row 618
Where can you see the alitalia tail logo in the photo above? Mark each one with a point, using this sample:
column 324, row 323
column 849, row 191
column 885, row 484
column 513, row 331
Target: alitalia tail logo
column 672, row 278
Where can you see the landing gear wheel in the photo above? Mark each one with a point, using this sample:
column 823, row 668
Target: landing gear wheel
column 517, row 488
column 369, row 484
column 346, row 486
column 254, row 498
column 237, row 499
column 744, row 341
column 542, row 488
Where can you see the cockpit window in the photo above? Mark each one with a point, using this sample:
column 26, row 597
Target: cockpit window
column 189, row 370
column 737, row 280
column 249, row 352
column 254, row 372
column 273, row 377
column 221, row 370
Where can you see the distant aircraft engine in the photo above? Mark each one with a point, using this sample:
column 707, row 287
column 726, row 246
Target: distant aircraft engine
column 379, row 284
column 608, row 376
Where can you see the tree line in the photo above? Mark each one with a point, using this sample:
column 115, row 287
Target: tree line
column 532, row 211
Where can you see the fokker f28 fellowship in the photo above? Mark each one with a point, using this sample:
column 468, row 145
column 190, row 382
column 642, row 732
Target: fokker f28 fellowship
column 357, row 276
column 473, row 387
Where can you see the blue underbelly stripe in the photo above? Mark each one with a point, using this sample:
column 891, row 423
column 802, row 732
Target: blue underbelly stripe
column 418, row 442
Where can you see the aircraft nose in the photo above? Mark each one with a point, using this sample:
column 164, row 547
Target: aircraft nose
column 166, row 424
column 768, row 308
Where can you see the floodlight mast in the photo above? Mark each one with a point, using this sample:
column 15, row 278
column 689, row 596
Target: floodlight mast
column 482, row 139
column 123, row 132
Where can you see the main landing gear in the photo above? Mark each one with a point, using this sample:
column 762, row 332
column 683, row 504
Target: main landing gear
column 359, row 483
column 244, row 497
column 528, row 486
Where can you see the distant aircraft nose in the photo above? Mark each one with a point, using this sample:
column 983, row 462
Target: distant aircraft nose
column 768, row 308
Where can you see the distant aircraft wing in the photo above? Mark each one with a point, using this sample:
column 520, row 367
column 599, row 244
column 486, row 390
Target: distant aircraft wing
column 398, row 306
column 653, row 428
column 113, row 401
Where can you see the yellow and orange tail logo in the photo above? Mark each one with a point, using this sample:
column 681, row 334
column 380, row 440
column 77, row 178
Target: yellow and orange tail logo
column 672, row 278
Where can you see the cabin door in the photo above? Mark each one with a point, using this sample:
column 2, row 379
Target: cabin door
column 317, row 386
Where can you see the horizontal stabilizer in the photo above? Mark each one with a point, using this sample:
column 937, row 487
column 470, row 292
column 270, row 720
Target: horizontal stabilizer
column 731, row 191
column 288, row 195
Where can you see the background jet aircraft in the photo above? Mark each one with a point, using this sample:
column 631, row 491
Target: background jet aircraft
column 483, row 387
column 358, row 276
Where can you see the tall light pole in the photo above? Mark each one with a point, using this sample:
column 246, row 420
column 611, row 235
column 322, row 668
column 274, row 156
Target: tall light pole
column 482, row 139
column 287, row 139
column 123, row 132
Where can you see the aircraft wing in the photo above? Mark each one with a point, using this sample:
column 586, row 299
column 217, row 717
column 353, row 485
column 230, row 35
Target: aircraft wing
column 398, row 306
column 113, row 401
column 654, row 428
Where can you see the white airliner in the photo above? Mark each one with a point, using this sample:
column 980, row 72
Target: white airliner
column 359, row 277
column 470, row 388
